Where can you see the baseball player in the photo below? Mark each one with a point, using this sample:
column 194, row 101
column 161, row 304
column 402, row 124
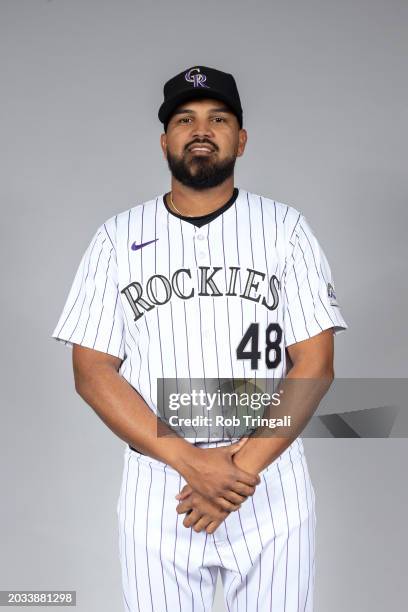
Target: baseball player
column 208, row 280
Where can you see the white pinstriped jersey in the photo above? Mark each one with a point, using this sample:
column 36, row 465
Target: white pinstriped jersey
column 174, row 300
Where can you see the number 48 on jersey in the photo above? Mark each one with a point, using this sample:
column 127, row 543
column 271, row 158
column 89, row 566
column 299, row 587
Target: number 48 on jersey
column 251, row 338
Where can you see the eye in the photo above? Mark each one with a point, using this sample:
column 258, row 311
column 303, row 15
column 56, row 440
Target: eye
column 184, row 119
column 220, row 118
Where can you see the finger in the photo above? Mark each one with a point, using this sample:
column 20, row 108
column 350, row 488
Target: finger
column 240, row 488
column 202, row 523
column 226, row 505
column 184, row 506
column 185, row 492
column 212, row 526
column 235, row 498
column 249, row 479
column 186, row 489
column 191, row 518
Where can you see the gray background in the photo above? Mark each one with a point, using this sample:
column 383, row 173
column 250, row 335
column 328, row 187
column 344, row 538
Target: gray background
column 324, row 90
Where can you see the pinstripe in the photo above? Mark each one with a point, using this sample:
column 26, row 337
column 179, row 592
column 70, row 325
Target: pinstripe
column 110, row 239
column 148, row 362
column 124, row 526
column 199, row 308
column 184, row 304
column 232, row 549
column 287, row 538
column 300, row 520
column 185, row 318
column 267, row 273
column 187, row 568
column 310, row 288
column 93, row 295
column 276, row 223
column 131, row 353
column 128, row 242
column 325, row 308
column 216, row 549
column 246, row 593
column 174, row 556
column 127, row 325
column 213, row 304
column 136, row 344
column 260, row 557
column 214, row 324
column 171, row 306
column 227, row 306
column 256, row 521
column 113, row 323
column 147, row 532
column 274, row 537
column 133, row 530
column 253, row 261
column 295, row 226
column 308, row 531
column 188, row 561
column 121, row 346
column 161, row 535
column 288, row 313
column 103, row 303
column 240, row 285
column 299, row 298
column 201, row 572
column 227, row 594
column 144, row 318
column 128, row 362
column 157, row 314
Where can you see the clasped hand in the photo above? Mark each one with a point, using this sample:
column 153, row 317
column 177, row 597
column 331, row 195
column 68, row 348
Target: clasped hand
column 215, row 487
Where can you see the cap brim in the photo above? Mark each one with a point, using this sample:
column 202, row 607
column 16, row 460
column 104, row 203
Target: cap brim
column 168, row 108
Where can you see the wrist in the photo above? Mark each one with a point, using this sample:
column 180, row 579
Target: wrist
column 185, row 457
column 246, row 461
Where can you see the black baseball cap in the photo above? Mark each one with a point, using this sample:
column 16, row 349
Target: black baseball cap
column 199, row 82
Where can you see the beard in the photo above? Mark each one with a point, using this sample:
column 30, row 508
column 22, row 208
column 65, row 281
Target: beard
column 201, row 172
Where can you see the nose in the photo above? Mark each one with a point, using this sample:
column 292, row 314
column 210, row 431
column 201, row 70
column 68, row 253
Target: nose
column 202, row 128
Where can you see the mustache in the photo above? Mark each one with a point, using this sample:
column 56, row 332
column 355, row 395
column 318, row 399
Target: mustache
column 196, row 142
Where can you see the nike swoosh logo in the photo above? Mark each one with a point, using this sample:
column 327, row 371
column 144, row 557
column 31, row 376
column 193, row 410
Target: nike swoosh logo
column 136, row 247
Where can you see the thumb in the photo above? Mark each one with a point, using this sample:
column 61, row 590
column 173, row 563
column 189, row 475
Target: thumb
column 234, row 448
column 185, row 492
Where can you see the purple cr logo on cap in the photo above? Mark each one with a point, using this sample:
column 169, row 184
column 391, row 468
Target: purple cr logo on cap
column 198, row 79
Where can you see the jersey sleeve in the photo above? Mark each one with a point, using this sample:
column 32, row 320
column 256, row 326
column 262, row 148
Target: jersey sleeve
column 92, row 315
column 310, row 299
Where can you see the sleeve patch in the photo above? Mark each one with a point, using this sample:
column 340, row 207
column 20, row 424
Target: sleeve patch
column 331, row 294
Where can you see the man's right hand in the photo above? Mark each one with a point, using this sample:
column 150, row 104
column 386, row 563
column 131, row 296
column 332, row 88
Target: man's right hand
column 213, row 473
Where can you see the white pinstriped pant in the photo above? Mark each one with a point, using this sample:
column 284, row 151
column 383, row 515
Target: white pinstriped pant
column 264, row 551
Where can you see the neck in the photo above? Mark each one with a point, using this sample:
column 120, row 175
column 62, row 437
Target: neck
column 198, row 203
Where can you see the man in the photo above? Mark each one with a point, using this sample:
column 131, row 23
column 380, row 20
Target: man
column 207, row 281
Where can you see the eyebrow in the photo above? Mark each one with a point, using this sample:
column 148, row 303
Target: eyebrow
column 221, row 109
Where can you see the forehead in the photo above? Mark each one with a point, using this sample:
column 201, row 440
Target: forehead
column 203, row 104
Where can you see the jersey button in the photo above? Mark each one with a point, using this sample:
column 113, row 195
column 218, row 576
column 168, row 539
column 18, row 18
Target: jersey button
column 201, row 255
column 200, row 236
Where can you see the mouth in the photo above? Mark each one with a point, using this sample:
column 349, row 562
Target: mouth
column 201, row 149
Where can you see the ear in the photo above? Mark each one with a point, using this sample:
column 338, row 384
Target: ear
column 242, row 140
column 163, row 144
